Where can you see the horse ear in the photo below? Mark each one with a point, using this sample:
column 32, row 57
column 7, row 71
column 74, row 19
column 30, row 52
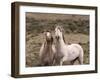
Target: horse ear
column 44, row 32
column 57, row 26
column 62, row 29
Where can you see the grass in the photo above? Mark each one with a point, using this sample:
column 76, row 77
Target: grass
column 34, row 43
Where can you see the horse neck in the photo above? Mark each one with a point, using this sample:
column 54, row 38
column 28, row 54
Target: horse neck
column 48, row 47
column 62, row 41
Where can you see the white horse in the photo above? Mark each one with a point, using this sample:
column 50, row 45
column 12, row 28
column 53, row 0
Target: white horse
column 47, row 51
column 66, row 53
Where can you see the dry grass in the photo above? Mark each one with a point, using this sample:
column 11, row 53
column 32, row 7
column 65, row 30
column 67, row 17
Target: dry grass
column 34, row 43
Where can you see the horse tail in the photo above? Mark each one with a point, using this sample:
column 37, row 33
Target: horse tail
column 81, row 55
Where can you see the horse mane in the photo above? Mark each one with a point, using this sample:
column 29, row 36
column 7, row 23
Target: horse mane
column 64, row 39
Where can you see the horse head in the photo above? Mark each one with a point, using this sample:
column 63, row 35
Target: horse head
column 59, row 32
column 48, row 36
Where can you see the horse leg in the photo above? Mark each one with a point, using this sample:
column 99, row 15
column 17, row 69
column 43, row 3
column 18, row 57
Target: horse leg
column 62, row 60
column 80, row 59
column 72, row 62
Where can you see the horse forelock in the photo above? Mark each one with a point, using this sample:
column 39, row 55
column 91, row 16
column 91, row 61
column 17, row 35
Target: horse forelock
column 60, row 28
